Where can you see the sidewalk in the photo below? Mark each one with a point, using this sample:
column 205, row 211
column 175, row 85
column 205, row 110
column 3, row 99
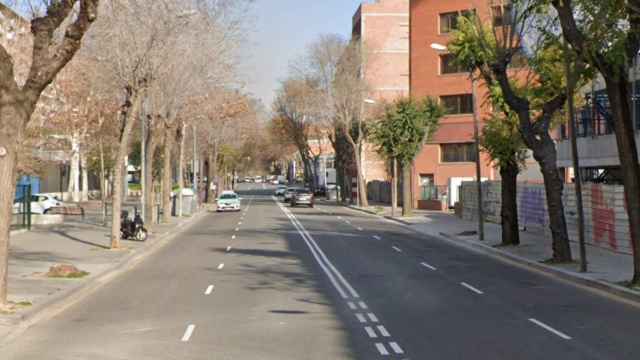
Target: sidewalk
column 85, row 246
column 606, row 269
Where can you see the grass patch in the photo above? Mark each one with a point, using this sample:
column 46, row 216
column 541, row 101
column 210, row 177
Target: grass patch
column 378, row 209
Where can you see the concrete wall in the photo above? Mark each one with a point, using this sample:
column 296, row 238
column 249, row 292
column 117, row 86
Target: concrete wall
column 594, row 151
column 606, row 221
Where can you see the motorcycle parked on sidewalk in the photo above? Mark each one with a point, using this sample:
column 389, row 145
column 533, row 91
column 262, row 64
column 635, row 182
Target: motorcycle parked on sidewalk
column 132, row 229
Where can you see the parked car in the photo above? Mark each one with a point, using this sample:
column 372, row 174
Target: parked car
column 280, row 190
column 228, row 201
column 40, row 204
column 288, row 194
column 275, row 182
column 303, row 197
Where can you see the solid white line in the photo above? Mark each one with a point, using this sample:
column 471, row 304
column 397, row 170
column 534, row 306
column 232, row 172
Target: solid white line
column 397, row 249
column 361, row 318
column 220, row 266
column 362, row 305
column 233, row 237
column 313, row 252
column 188, row 333
column 370, row 332
column 209, row 290
column 312, row 244
column 549, row 328
column 382, row 349
column 373, row 317
column 428, row 266
column 377, row 237
column 383, row 331
column 228, row 248
column 396, row 348
column 352, row 306
column 471, row 288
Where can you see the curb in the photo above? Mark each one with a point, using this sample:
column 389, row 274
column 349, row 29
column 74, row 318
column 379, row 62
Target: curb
column 61, row 301
column 576, row 278
column 17, row 232
column 600, row 286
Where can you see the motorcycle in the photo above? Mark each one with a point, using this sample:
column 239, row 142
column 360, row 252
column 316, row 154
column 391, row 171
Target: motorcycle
column 132, row 229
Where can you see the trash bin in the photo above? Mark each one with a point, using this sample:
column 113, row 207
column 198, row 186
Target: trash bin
column 187, row 201
column 332, row 192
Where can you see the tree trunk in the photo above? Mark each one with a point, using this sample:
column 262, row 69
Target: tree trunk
column 7, row 194
column 166, row 176
column 509, row 207
column 407, row 202
column 212, row 176
column 618, row 93
column 553, row 186
column 362, row 183
column 103, row 188
column 149, row 193
column 128, row 117
column 74, row 172
column 394, row 187
column 181, row 169
column 85, row 177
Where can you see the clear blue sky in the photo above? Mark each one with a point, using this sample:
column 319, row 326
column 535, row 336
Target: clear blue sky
column 280, row 31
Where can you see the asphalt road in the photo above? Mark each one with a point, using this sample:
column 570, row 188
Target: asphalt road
column 273, row 282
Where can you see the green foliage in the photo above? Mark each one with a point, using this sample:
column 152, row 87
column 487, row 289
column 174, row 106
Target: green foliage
column 405, row 126
column 501, row 138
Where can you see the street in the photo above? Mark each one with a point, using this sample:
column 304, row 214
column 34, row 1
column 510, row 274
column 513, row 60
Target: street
column 274, row 282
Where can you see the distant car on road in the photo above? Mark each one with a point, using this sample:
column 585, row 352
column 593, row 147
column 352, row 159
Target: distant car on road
column 288, row 194
column 40, row 204
column 280, row 190
column 228, row 201
column 258, row 179
column 303, row 197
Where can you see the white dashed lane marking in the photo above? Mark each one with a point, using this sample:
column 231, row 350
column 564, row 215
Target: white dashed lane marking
column 381, row 349
column 471, row 288
column 228, row 248
column 383, row 331
column 220, row 266
column 428, row 266
column 397, row 249
column 352, row 306
column 396, row 348
column 233, row 237
column 370, row 332
column 550, row 329
column 377, row 237
column 373, row 317
column 209, row 290
column 363, row 305
column 188, row 333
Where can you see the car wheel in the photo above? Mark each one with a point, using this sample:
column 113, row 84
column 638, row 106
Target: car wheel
column 46, row 211
column 310, row 205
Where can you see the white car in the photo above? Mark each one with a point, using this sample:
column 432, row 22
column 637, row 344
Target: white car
column 40, row 204
column 228, row 201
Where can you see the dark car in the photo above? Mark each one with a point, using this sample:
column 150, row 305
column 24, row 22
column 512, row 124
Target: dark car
column 303, row 197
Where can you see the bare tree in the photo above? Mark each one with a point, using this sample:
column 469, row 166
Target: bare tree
column 51, row 52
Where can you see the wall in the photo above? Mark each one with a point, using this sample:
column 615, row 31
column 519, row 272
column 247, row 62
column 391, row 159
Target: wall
column 606, row 221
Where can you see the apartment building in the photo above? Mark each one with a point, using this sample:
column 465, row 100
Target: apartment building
column 449, row 157
column 382, row 28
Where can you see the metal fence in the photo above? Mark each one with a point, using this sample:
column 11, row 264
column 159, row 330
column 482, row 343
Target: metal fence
column 22, row 207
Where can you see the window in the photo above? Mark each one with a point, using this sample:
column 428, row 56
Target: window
column 502, row 15
column 449, row 20
column 457, row 104
column 447, row 65
column 464, row 152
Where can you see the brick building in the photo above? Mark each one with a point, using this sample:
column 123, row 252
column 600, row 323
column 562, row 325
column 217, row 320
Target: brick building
column 382, row 28
column 449, row 157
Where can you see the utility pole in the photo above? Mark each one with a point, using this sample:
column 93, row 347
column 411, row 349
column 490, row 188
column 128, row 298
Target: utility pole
column 476, row 134
column 143, row 166
column 195, row 166
column 576, row 161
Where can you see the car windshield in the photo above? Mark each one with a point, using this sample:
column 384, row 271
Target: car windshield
column 228, row 196
column 303, row 191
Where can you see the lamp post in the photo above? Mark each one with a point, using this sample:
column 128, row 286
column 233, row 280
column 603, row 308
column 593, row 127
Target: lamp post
column 476, row 134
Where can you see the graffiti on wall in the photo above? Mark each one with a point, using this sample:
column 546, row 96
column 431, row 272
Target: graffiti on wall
column 603, row 218
column 532, row 210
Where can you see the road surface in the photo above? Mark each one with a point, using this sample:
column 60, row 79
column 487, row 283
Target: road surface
column 274, row 282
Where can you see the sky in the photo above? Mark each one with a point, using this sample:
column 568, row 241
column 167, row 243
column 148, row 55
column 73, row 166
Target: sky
column 281, row 30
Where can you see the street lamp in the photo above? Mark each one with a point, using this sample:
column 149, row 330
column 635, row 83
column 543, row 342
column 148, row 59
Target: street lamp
column 476, row 133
